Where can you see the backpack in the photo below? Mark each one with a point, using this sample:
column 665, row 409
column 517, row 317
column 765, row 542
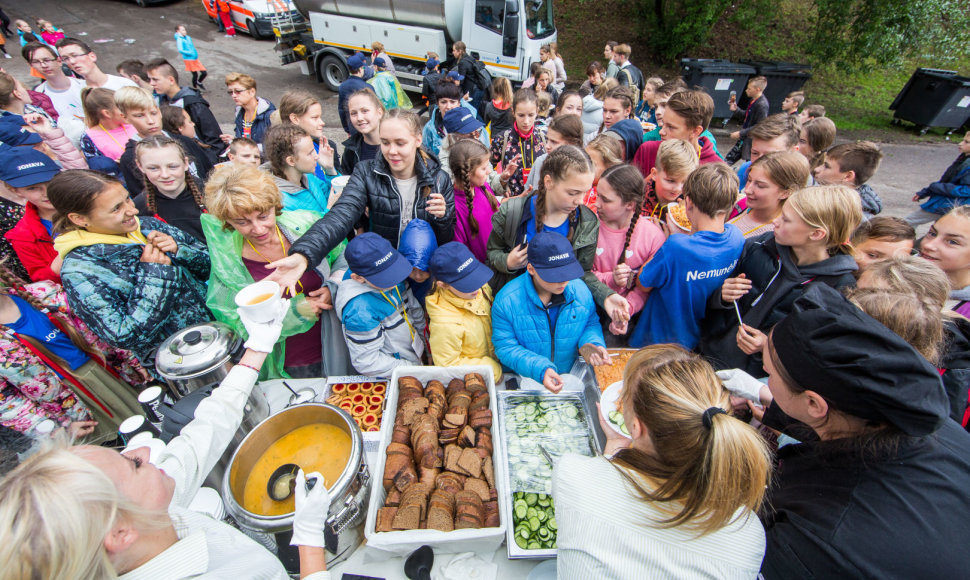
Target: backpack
column 482, row 77
column 632, row 84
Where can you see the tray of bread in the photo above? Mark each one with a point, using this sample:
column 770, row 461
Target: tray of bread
column 441, row 479
column 606, row 375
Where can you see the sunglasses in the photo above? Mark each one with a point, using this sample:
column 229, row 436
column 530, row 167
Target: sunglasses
column 232, row 92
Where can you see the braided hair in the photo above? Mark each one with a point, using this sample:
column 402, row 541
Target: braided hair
column 558, row 165
column 467, row 155
column 151, row 192
column 628, row 183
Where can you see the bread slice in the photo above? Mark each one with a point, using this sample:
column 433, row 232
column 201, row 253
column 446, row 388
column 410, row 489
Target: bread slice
column 440, row 519
column 488, row 470
column 478, row 486
column 406, row 518
column 385, row 519
column 470, row 462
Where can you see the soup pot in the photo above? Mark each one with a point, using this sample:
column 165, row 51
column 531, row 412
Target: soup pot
column 344, row 528
column 198, row 356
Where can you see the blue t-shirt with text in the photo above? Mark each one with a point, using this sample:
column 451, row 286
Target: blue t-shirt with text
column 37, row 326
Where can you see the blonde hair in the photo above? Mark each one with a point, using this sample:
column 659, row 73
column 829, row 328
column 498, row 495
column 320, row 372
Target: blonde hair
column 788, row 170
column 609, row 148
column 914, row 320
column 696, row 463
column 246, row 81
column 543, row 102
column 502, row 90
column 836, row 209
column 913, row 276
column 296, row 103
column 134, row 98
column 605, row 87
column 655, row 82
column 677, row 158
column 233, row 191
column 378, row 46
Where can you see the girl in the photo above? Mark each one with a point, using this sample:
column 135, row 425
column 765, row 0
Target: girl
column 133, row 282
column 605, row 151
column 107, row 133
column 595, row 73
column 808, row 244
column 305, row 111
column 947, row 245
column 50, row 33
column 648, row 100
column 618, row 105
column 387, row 87
column 521, row 144
column 668, row 502
column 498, row 112
column 625, row 242
column 377, row 51
column 549, row 65
column 252, row 112
column 190, row 56
column 676, row 159
column 544, row 84
column 817, row 135
column 771, row 179
column 544, row 105
column 171, row 192
column 530, row 82
column 293, row 160
column 560, row 76
column 53, row 367
column 569, row 103
column 564, row 130
column 556, row 206
column 176, row 121
column 365, row 112
column 593, row 109
column 475, row 203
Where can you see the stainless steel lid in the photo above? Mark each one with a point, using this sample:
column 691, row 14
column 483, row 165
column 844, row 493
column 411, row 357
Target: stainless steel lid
column 196, row 350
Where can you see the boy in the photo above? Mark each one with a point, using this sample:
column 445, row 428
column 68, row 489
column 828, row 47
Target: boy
column 880, row 239
column 165, row 80
column 757, row 110
column 687, row 269
column 134, row 71
column 676, row 160
column 611, row 68
column 775, row 134
column 542, row 319
column 244, row 151
column 79, row 57
column 26, row 171
column 447, row 97
column 951, row 190
column 853, row 164
column 383, row 324
column 460, row 310
column 355, row 82
column 627, row 74
column 139, row 110
column 686, row 116
column 430, row 82
column 63, row 91
column 811, row 112
column 790, row 105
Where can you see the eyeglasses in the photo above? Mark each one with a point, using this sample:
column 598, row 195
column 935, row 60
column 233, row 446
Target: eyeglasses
column 43, row 61
column 70, row 57
column 232, row 92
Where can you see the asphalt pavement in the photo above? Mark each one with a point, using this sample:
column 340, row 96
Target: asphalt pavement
column 120, row 30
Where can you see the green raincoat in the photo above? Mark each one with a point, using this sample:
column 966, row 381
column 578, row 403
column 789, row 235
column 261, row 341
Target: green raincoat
column 389, row 91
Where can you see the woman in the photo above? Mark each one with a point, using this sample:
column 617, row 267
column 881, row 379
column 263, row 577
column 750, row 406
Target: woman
column 133, row 282
column 400, row 184
column 252, row 112
column 877, row 486
column 246, row 229
column 669, row 503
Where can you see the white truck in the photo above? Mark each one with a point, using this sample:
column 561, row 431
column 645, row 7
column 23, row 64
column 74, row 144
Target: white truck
column 505, row 35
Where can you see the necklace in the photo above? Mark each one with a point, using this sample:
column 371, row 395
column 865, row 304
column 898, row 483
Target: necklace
column 283, row 246
column 112, row 137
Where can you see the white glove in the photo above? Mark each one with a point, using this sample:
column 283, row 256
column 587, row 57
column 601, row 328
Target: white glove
column 742, row 384
column 311, row 512
column 263, row 336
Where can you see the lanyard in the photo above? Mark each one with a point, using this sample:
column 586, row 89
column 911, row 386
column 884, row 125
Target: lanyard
column 282, row 245
column 108, row 133
column 248, row 125
column 532, row 150
column 757, row 227
column 404, row 310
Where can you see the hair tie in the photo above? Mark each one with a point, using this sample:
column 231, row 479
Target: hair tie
column 709, row 414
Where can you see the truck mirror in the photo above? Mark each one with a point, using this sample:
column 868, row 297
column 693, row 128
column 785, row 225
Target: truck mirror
column 510, row 33
column 511, row 7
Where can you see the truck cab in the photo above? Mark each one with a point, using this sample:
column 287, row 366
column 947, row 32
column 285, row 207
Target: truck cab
column 506, row 34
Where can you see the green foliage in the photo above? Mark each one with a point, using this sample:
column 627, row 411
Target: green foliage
column 672, row 27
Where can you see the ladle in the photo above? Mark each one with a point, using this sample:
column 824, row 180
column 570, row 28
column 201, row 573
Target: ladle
column 419, row 563
column 282, row 482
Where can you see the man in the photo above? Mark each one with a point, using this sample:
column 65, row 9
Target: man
column 165, row 81
column 82, row 60
column 63, row 91
column 354, row 83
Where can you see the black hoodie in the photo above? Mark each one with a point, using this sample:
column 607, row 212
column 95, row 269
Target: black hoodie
column 206, row 127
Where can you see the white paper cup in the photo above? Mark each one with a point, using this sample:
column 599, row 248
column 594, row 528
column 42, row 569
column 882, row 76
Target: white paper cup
column 263, row 310
column 337, row 185
column 134, row 425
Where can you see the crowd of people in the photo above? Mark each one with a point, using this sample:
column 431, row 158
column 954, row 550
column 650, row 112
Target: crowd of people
column 797, row 407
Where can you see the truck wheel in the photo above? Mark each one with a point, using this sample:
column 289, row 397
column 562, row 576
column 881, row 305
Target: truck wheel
column 333, row 71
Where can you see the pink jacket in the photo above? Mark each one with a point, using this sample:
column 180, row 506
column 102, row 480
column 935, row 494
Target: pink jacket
column 647, row 239
column 66, row 152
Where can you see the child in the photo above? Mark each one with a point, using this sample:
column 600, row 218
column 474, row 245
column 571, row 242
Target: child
column 475, row 203
column 790, row 105
column 306, row 111
column 688, row 269
column 880, row 239
column 418, row 244
column 953, row 189
column 244, row 151
column 171, row 193
column 625, row 241
column 387, row 87
column 521, row 144
column 604, row 151
column 190, row 56
column 460, row 124
column 176, row 121
column 498, row 111
column 617, row 106
column 430, row 81
column 107, row 133
column 544, row 104
column 853, row 164
column 569, row 103
column 946, row 246
column 593, row 109
column 648, row 102
column 365, row 112
column 448, row 97
column 811, row 112
column 382, row 322
column 771, row 179
column 807, row 245
column 779, row 132
column 543, row 319
column 686, row 116
column 460, row 310
column 26, row 172
column 816, row 136
column 564, row 130
column 757, row 111
column 676, row 159
column 293, row 160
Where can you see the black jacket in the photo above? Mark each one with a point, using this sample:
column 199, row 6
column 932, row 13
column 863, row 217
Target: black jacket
column 134, row 180
column 466, row 68
column 835, row 514
column 351, row 157
column 372, row 188
column 206, row 127
column 635, row 78
column 776, row 282
column 181, row 212
column 955, row 362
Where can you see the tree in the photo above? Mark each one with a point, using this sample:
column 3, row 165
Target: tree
column 673, row 27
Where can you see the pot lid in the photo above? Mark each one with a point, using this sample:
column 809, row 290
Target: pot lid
column 196, row 349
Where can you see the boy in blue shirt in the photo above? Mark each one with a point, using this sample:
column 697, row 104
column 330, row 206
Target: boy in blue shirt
column 542, row 319
column 687, row 269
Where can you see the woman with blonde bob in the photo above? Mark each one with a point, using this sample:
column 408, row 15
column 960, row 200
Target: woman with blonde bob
column 670, row 503
column 246, row 228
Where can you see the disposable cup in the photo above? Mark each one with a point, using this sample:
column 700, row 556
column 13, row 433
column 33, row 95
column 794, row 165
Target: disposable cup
column 337, row 185
column 134, row 425
column 263, row 310
column 151, row 403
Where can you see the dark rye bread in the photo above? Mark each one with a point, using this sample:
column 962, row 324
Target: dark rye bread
column 385, row 519
column 454, row 385
column 479, row 418
column 491, row 514
column 478, row 486
column 488, row 470
column 393, row 498
column 407, row 410
column 469, row 511
column 407, row 518
column 470, row 463
column 467, row 437
column 450, row 482
column 475, row 382
column 435, row 393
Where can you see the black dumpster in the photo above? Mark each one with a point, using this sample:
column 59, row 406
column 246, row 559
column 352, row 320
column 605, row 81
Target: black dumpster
column 783, row 78
column 719, row 78
column 933, row 98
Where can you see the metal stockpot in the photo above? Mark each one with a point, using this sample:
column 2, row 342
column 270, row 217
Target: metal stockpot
column 348, row 495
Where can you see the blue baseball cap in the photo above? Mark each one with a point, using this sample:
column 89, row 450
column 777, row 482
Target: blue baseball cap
column 453, row 75
column 455, row 265
column 26, row 166
column 461, row 120
column 371, row 256
column 13, row 132
column 431, row 63
column 355, row 61
column 379, row 61
column 553, row 258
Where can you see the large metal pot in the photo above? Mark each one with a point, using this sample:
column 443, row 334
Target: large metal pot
column 348, row 506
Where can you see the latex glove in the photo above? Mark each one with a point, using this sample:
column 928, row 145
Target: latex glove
column 311, row 513
column 742, row 384
column 263, row 336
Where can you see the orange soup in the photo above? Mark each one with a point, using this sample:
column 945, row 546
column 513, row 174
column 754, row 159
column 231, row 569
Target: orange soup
column 260, row 298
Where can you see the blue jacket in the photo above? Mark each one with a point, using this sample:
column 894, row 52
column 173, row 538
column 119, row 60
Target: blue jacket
column 418, row 243
column 186, row 47
column 951, row 190
column 431, row 139
column 261, row 122
column 522, row 335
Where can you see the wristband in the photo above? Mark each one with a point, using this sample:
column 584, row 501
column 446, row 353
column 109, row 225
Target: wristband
column 242, row 364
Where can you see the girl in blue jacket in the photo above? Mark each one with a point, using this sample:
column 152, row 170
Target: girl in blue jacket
column 186, row 48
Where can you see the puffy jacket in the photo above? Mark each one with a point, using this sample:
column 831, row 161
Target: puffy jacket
column 776, row 282
column 522, row 332
column 434, row 131
column 66, row 152
column 499, row 120
column 311, row 194
column 207, row 129
column 508, row 231
column 417, row 245
column 631, row 131
column 592, row 117
column 261, row 122
column 871, row 203
column 461, row 330
column 34, row 246
column 466, row 68
column 372, row 188
column 951, row 190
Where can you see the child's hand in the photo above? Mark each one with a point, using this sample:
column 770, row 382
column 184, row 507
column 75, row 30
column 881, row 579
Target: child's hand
column 750, row 339
column 320, row 299
column 152, row 255
column 619, row 328
column 737, row 134
column 734, row 288
column 552, row 381
column 617, row 308
column 622, row 275
column 38, row 123
column 518, row 257
column 325, row 156
column 510, row 168
column 226, row 138
column 594, row 355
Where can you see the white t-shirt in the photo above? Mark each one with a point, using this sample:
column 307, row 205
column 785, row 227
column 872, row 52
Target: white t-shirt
column 66, row 102
column 408, row 189
column 115, row 82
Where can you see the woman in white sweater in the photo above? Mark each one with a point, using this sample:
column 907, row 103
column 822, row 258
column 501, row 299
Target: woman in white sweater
column 678, row 500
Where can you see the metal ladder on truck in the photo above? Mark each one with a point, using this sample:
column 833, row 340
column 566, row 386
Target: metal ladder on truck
column 288, row 32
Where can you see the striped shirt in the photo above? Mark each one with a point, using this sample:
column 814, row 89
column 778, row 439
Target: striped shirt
column 750, row 228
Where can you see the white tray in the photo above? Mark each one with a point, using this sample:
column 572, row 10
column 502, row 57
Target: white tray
column 402, row 543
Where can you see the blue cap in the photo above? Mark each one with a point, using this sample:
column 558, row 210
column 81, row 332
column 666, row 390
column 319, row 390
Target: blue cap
column 552, row 256
column 461, row 120
column 455, row 265
column 379, row 61
column 432, row 62
column 453, row 75
column 14, row 133
column 371, row 256
column 25, row 166
column 355, row 62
